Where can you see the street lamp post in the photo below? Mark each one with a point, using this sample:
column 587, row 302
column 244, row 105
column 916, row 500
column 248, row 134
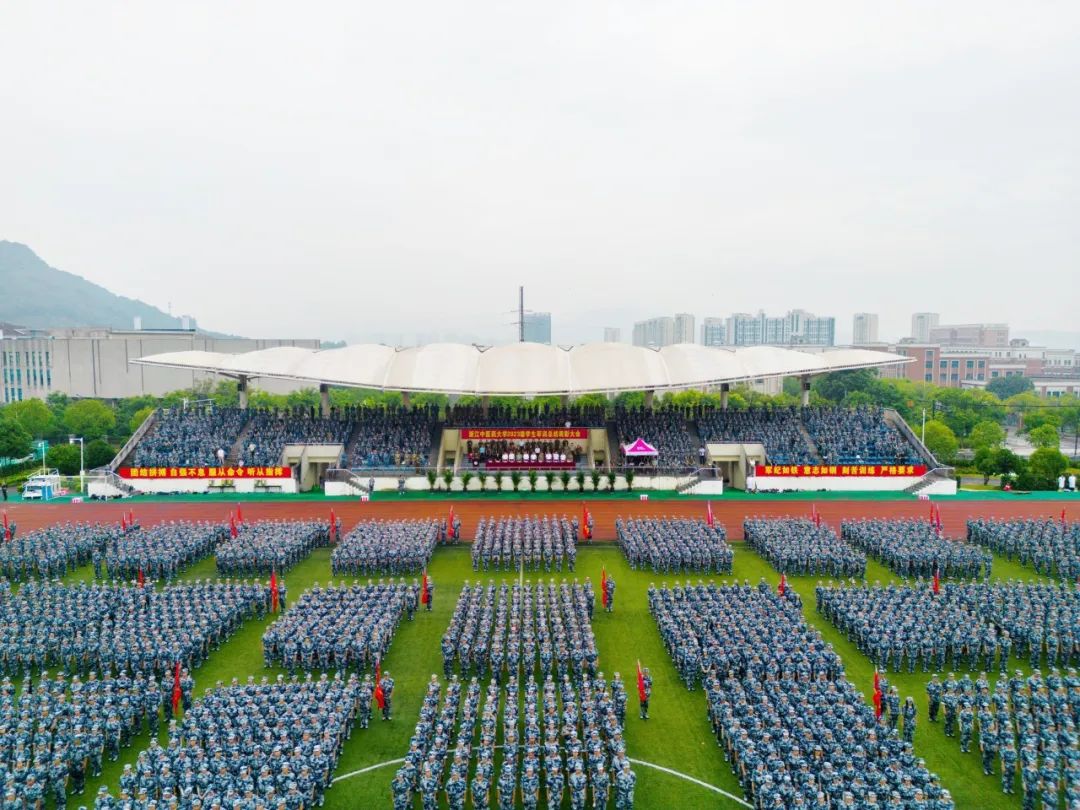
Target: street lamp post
column 82, row 460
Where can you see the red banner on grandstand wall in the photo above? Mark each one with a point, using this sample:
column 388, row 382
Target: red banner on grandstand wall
column 841, row 470
column 204, row 472
column 516, row 434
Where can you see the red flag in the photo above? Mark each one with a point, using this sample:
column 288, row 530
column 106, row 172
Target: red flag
column 274, row 598
column 708, row 513
column 877, row 681
column 782, row 587
column 176, row 692
column 937, row 582
column 7, row 529
column 333, row 526
column 131, row 518
column 1063, row 516
column 877, row 694
column 239, row 514
column 123, row 522
column 450, row 520
column 424, row 596
column 380, row 697
column 232, row 527
column 603, row 586
column 142, row 579
column 640, row 683
column 585, row 534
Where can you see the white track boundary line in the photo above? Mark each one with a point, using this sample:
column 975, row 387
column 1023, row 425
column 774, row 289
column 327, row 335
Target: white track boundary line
column 652, row 765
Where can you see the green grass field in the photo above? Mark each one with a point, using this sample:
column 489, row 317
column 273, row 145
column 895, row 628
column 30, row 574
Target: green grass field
column 677, row 736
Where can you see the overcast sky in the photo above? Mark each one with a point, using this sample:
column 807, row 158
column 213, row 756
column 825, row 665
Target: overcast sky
column 394, row 170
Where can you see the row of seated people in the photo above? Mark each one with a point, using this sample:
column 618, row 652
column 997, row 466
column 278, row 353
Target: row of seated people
column 393, row 437
column 666, row 429
column 527, row 415
column 189, row 437
column 270, row 431
column 856, row 436
column 495, row 452
column 776, row 429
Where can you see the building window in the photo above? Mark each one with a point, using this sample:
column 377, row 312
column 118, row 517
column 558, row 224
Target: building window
column 929, row 378
column 981, row 376
column 956, row 364
column 929, row 364
column 943, row 364
column 971, row 364
column 982, row 364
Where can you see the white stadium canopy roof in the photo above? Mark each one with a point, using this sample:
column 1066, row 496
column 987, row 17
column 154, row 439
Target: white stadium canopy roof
column 526, row 369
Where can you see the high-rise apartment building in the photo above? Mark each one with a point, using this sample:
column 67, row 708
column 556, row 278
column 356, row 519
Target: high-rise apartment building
column 612, row 334
column 921, row 324
column 713, row 332
column 865, row 328
column 796, row 327
column 538, row 327
column 655, row 332
column 684, row 328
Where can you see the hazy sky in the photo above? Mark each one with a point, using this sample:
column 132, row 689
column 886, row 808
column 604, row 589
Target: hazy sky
column 394, row 170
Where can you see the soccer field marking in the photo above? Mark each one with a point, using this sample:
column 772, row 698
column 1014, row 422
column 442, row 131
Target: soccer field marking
column 679, row 774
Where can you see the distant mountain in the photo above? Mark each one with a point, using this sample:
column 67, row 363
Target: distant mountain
column 34, row 294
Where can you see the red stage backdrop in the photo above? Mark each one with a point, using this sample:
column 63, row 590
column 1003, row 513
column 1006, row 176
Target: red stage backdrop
column 841, row 470
column 205, row 472
column 520, row 434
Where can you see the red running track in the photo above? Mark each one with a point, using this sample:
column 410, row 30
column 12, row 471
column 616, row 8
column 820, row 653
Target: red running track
column 954, row 514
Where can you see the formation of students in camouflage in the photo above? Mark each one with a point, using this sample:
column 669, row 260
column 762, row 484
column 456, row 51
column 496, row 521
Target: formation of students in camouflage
column 973, row 626
column 263, row 547
column 256, row 746
column 54, row 551
column 801, row 546
column 386, row 547
column 916, row 548
column 159, row 552
column 570, row 741
column 83, row 628
column 674, row 545
column 1051, row 547
column 338, row 627
column 500, row 631
column 57, row 732
column 1026, row 726
column 796, row 731
column 506, row 543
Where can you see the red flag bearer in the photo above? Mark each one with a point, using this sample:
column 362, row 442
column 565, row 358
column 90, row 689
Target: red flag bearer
column 333, row 527
column 177, row 692
column 708, row 513
column 232, row 527
column 384, row 691
column 937, row 581
column 644, row 690
column 7, row 527
column 425, row 592
column 782, row 587
column 449, row 525
column 141, row 579
column 274, row 594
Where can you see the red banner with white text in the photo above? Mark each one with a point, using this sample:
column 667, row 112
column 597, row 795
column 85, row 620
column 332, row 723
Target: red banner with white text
column 840, row 470
column 204, row 472
column 523, row 434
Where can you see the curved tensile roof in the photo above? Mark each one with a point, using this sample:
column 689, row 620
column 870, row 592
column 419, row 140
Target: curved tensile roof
column 527, row 369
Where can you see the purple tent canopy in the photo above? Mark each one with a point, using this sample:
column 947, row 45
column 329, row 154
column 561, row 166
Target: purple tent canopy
column 640, row 448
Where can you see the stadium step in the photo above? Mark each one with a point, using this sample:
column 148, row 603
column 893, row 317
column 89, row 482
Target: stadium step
column 237, row 446
column 810, row 443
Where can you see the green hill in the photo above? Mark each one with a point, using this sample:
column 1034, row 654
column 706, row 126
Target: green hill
column 34, row 294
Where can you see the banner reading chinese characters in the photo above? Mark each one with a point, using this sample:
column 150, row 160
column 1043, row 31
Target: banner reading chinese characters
column 204, row 472
column 841, row 470
column 523, row 434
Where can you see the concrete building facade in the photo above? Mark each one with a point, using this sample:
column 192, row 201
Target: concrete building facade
column 538, row 327
column 865, row 328
column 713, row 332
column 921, row 324
column 797, row 327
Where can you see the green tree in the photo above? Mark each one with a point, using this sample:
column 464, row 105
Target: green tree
column 139, row 417
column 1005, row 387
column 941, row 441
column 1044, row 436
column 962, row 408
column 98, row 454
column 89, row 418
column 14, row 439
column 64, row 457
column 1043, row 469
column 835, row 386
column 32, row 415
column 985, row 463
column 630, row 399
column 986, row 435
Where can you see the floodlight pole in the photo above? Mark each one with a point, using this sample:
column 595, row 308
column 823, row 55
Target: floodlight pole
column 924, row 426
column 82, row 460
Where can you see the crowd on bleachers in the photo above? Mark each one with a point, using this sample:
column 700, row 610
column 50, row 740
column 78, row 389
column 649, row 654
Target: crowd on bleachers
column 189, row 437
column 507, row 543
column 55, row 732
column 977, row 626
column 497, row 629
column 337, row 627
column 524, row 415
column 269, row 431
column 776, row 429
column 52, row 552
column 569, row 742
column 666, row 429
column 1027, row 726
column 801, row 546
column 254, row 745
column 265, row 546
column 1051, row 547
column 84, row 628
column 674, row 545
column 386, row 547
column 797, row 732
column 392, row 437
column 159, row 552
column 856, row 436
column 916, row 548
